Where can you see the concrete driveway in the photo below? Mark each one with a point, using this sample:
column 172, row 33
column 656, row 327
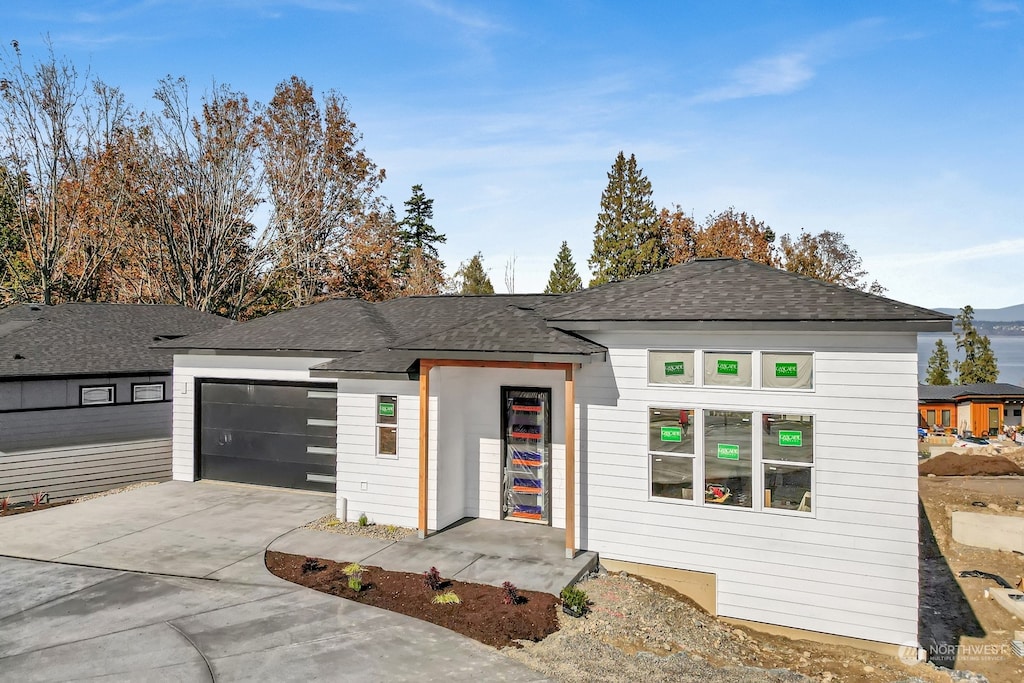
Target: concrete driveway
column 206, row 608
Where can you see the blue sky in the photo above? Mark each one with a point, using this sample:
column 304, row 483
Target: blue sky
column 897, row 124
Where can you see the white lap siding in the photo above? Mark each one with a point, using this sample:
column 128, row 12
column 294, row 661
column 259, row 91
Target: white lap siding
column 188, row 368
column 851, row 567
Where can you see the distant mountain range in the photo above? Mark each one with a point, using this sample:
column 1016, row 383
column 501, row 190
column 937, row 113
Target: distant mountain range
column 992, row 315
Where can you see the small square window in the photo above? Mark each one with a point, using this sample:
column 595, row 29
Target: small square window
column 144, row 393
column 726, row 369
column 670, row 367
column 96, row 396
column 787, row 370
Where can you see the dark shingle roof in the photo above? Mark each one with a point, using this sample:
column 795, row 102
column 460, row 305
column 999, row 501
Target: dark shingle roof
column 952, row 392
column 729, row 290
column 93, row 339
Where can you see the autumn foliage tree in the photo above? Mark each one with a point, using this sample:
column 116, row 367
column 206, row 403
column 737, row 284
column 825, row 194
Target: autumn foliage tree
column 826, row 257
column 735, row 234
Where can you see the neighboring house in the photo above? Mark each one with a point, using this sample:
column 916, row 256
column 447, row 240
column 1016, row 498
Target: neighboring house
column 978, row 409
column 747, row 430
column 84, row 400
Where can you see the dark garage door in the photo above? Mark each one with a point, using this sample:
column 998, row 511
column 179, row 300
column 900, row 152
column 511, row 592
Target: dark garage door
column 273, row 434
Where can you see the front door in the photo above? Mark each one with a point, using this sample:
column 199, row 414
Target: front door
column 993, row 420
column 526, row 444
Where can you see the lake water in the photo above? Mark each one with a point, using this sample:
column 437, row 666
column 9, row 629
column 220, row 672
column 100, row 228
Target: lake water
column 1009, row 355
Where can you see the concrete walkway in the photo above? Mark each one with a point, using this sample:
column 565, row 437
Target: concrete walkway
column 477, row 550
column 210, row 611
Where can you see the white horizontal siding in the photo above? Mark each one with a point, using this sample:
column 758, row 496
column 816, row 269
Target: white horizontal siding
column 851, row 567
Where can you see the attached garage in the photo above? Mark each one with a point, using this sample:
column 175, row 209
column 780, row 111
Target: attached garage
column 267, row 433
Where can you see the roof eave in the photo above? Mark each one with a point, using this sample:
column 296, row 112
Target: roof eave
column 295, row 353
column 753, row 325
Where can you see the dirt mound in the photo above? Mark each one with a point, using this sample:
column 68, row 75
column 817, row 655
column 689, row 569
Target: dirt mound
column 951, row 464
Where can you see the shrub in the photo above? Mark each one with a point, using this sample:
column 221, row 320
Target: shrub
column 510, row 594
column 432, row 578
column 311, row 564
column 355, row 582
column 446, row 598
column 364, row 520
column 39, row 498
column 574, row 598
column 5, row 503
column 354, row 568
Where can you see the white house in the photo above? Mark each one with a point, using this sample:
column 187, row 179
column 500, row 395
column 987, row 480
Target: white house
column 720, row 418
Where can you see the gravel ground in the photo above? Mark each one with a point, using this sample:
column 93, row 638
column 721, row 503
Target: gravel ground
column 382, row 532
column 636, row 631
column 123, row 489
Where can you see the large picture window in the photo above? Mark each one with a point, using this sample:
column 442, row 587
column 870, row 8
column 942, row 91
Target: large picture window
column 727, row 369
column 387, row 426
column 787, row 370
column 671, row 452
column 670, row 367
column 728, row 458
column 787, row 456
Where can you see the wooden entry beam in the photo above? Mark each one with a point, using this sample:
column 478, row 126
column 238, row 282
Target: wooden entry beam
column 570, row 463
column 425, row 367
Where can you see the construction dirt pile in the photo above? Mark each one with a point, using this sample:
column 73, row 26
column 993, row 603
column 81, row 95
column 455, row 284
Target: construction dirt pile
column 951, row 464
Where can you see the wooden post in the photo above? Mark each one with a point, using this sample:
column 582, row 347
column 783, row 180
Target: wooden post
column 570, row 464
column 425, row 366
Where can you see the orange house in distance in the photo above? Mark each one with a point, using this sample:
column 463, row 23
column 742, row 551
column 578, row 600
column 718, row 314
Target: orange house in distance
column 978, row 409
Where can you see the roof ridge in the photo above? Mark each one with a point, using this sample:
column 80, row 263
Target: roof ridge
column 401, row 344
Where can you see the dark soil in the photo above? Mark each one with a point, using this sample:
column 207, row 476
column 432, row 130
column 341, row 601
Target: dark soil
column 19, row 509
column 951, row 464
column 481, row 616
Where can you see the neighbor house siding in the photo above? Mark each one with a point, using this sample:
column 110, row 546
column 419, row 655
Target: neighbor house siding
column 70, row 471
column 78, row 426
column 851, row 567
column 188, row 368
column 61, row 393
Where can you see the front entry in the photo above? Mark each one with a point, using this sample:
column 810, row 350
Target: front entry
column 526, row 444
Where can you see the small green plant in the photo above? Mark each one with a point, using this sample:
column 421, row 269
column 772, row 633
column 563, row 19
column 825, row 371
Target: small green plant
column 574, row 599
column 354, row 572
column 433, row 579
column 350, row 569
column 364, row 520
column 391, row 528
column 446, row 598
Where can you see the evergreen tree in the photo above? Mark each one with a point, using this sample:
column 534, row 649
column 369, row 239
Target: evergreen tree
column 979, row 363
column 564, row 278
column 472, row 277
column 416, row 232
column 938, row 366
column 627, row 236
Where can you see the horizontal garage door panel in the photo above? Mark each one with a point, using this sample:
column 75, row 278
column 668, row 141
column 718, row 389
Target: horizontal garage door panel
column 267, row 434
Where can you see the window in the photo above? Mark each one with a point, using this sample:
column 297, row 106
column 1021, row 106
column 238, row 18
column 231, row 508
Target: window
column 787, row 456
column 387, row 426
column 930, row 418
column 96, row 396
column 945, row 418
column 728, row 461
column 787, row 371
column 670, row 367
column 671, row 452
column 726, row 369
column 143, row 393
column 1016, row 412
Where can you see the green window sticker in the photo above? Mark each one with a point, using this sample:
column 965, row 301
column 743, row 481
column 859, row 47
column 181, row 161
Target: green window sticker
column 785, row 370
column 728, row 367
column 728, row 451
column 675, row 368
column 386, row 409
column 671, row 434
column 791, row 438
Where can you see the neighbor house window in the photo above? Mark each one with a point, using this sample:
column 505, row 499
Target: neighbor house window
column 671, row 453
column 787, row 370
column 144, row 393
column 96, row 396
column 930, row 418
column 945, row 418
column 728, row 461
column 387, row 426
column 670, row 367
column 726, row 369
column 787, row 456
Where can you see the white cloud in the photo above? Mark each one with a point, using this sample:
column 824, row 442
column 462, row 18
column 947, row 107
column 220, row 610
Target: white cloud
column 470, row 20
column 981, row 252
column 998, row 7
column 777, row 75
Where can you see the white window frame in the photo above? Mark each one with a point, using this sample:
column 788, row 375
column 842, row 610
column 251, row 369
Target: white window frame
column 812, row 466
column 389, row 425
column 814, row 371
column 147, row 385
column 697, row 366
column 697, row 423
column 755, row 374
column 111, row 394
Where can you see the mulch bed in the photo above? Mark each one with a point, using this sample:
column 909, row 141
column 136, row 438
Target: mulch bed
column 481, row 616
column 20, row 509
column 951, row 464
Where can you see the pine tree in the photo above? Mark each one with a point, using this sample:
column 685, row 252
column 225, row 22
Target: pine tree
column 979, row 363
column 938, row 366
column 473, row 278
column 564, row 278
column 627, row 236
column 416, row 232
